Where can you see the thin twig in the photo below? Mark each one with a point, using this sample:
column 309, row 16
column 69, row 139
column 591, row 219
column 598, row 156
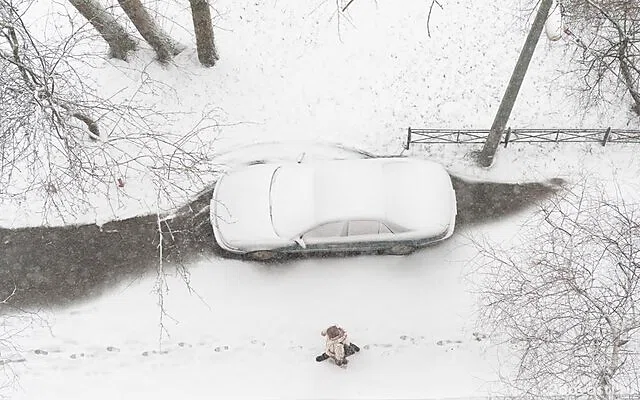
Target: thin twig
column 429, row 16
column 6, row 300
column 347, row 6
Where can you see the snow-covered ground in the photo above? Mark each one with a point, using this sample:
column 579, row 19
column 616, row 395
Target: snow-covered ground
column 291, row 71
column 257, row 330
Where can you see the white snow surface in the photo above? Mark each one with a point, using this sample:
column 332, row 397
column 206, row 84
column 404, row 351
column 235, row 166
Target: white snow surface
column 294, row 76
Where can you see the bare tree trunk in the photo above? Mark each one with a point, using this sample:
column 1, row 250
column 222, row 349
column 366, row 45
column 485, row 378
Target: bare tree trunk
column 164, row 47
column 625, row 70
column 205, row 44
column 605, row 390
column 119, row 41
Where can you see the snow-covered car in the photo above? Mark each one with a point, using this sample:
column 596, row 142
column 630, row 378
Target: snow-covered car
column 392, row 205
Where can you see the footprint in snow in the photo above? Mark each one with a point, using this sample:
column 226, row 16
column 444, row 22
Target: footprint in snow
column 443, row 342
column 405, row 341
column 450, row 344
column 413, row 340
column 477, row 336
column 383, row 345
column 9, row 361
column 41, row 352
column 258, row 342
column 153, row 352
column 113, row 349
column 221, row 348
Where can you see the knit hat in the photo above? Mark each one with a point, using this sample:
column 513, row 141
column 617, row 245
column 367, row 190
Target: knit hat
column 333, row 332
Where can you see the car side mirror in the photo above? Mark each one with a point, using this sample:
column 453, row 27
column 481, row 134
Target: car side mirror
column 300, row 242
column 301, row 157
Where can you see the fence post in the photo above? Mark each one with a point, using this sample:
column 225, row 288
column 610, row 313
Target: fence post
column 606, row 136
column 406, row 147
column 458, row 138
column 557, row 134
column 507, row 137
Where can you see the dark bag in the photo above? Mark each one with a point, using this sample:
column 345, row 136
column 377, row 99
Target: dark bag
column 350, row 349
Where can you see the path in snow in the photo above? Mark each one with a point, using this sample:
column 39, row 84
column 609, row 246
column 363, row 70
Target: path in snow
column 56, row 266
column 75, row 351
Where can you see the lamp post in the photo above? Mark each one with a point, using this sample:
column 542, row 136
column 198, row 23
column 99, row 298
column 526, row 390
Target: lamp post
column 490, row 147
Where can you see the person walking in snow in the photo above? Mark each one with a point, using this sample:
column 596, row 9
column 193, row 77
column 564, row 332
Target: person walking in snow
column 338, row 346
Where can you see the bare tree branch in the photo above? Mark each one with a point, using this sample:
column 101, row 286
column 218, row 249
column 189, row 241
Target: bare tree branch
column 606, row 34
column 433, row 2
column 564, row 298
column 347, row 5
column 48, row 110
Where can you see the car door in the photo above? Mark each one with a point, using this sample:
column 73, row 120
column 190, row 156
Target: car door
column 368, row 235
column 326, row 237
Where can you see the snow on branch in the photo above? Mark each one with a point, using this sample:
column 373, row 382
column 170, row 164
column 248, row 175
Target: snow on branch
column 62, row 140
column 565, row 296
column 605, row 36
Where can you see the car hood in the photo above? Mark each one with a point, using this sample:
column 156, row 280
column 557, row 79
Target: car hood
column 240, row 209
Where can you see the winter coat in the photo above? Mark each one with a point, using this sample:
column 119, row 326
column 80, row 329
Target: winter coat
column 336, row 342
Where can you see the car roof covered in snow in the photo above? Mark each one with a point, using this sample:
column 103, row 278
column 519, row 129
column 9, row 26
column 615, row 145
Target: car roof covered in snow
column 397, row 190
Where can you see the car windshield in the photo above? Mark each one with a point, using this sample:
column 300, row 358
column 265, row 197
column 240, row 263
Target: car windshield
column 291, row 200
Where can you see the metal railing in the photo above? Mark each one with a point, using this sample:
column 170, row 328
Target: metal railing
column 478, row 136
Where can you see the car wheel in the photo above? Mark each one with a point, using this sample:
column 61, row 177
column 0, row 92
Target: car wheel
column 401, row 250
column 262, row 255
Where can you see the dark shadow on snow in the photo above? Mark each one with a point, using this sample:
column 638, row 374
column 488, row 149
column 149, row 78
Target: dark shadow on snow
column 56, row 266
column 483, row 202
